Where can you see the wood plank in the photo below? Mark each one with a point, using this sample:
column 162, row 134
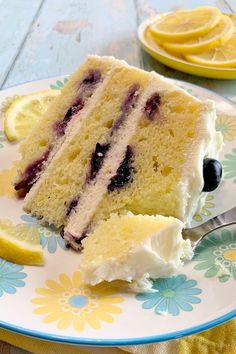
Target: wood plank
column 147, row 8
column 14, row 24
column 67, row 30
column 231, row 4
column 4, row 348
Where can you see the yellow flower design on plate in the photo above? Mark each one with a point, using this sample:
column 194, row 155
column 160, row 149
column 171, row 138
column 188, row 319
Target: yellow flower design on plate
column 205, row 209
column 71, row 302
column 226, row 124
column 8, row 101
column 6, row 185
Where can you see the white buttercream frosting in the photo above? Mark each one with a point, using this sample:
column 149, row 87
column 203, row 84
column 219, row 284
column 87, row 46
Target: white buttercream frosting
column 208, row 144
column 159, row 255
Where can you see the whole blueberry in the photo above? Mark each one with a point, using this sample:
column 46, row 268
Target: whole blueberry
column 212, row 173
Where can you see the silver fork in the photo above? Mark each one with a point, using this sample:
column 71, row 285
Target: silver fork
column 196, row 234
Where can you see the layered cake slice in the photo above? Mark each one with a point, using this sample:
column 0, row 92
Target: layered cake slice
column 67, row 109
column 134, row 248
column 140, row 146
column 79, row 159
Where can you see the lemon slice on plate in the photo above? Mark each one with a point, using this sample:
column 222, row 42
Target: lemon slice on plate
column 20, row 243
column 223, row 56
column 217, row 36
column 25, row 111
column 185, row 24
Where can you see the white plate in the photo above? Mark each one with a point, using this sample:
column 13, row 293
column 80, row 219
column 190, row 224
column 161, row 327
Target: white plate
column 50, row 302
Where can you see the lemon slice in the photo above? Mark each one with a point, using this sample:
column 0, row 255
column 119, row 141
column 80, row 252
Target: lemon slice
column 25, row 111
column 20, row 243
column 223, row 56
column 185, row 24
column 215, row 37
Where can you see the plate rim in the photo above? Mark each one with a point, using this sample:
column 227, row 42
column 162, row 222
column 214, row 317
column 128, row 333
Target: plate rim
column 57, row 338
column 118, row 342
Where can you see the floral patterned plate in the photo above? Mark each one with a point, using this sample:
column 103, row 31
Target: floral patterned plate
column 52, row 303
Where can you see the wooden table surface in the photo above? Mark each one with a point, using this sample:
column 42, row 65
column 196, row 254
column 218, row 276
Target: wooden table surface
column 44, row 38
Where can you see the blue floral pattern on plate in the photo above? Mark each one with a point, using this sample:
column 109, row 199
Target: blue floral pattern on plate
column 229, row 166
column 2, row 139
column 50, row 238
column 171, row 296
column 11, row 276
column 216, row 255
column 59, row 84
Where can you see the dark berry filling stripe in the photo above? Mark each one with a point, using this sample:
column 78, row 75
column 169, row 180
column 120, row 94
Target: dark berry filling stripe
column 61, row 125
column 152, row 105
column 127, row 105
column 32, row 171
column 72, row 206
column 78, row 239
column 92, row 78
column 97, row 160
column 124, row 174
column 86, row 89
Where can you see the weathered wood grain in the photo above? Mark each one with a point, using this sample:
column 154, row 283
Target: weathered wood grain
column 15, row 20
column 147, row 8
column 231, row 4
column 65, row 31
column 4, row 348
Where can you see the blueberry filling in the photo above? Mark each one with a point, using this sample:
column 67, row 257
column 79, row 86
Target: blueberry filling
column 152, row 106
column 130, row 99
column 86, row 89
column 97, row 159
column 124, row 173
column 72, row 206
column 212, row 173
column 32, row 171
column 92, row 78
column 83, row 234
column 60, row 125
column 127, row 105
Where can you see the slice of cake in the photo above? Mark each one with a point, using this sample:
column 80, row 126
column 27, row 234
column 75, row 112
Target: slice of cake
column 139, row 146
column 134, row 248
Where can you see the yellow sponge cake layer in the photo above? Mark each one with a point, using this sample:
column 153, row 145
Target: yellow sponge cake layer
column 167, row 162
column 79, row 158
column 50, row 131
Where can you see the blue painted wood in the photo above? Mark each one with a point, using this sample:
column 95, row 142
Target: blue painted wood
column 67, row 30
column 15, row 19
column 149, row 8
column 63, row 32
column 231, row 4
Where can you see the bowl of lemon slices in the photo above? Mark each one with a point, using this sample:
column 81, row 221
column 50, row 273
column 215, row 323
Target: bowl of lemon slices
column 201, row 41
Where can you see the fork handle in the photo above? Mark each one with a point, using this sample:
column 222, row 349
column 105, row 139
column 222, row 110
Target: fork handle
column 224, row 219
